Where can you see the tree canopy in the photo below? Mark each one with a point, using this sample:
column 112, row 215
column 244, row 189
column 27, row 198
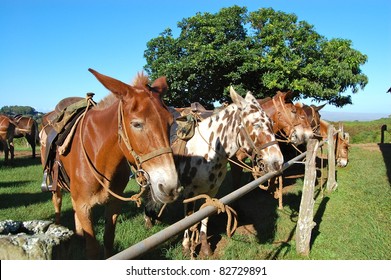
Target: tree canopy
column 262, row 51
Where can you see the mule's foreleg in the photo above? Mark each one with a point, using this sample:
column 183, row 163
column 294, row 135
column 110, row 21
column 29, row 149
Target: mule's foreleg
column 205, row 246
column 11, row 150
column 83, row 224
column 6, row 152
column 187, row 243
column 57, row 203
column 111, row 214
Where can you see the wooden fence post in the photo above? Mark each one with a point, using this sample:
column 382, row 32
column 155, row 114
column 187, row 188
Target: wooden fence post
column 305, row 223
column 383, row 128
column 331, row 182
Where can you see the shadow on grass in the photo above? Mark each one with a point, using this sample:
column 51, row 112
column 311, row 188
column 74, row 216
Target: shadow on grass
column 22, row 161
column 386, row 152
column 22, row 199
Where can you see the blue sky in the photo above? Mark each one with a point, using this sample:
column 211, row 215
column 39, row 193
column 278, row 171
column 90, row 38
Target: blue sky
column 47, row 46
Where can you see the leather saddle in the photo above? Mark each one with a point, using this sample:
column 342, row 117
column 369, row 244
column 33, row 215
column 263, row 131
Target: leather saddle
column 56, row 137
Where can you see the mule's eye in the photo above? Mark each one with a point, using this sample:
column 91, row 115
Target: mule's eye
column 137, row 125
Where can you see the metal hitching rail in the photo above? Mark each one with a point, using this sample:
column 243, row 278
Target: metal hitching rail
column 153, row 241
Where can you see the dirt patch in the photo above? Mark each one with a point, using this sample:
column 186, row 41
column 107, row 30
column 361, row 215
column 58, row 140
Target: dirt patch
column 368, row 146
column 22, row 153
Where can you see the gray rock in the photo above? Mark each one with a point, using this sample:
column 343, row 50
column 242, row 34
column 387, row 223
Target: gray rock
column 33, row 240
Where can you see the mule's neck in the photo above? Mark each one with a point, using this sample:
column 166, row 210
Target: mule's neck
column 102, row 128
column 217, row 135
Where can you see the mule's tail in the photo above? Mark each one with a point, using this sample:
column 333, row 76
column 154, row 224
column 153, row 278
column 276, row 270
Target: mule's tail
column 1, row 146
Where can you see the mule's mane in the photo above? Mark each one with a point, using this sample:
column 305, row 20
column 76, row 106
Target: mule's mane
column 140, row 80
column 106, row 102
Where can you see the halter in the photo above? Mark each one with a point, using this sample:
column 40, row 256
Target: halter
column 317, row 125
column 243, row 131
column 287, row 137
column 142, row 177
column 256, row 150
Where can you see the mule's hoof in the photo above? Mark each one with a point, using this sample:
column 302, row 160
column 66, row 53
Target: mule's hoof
column 206, row 251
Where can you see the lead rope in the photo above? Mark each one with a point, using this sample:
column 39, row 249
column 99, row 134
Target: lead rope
column 221, row 208
column 136, row 197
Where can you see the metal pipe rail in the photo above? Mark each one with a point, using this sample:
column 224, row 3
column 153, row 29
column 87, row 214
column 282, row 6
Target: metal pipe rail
column 153, row 241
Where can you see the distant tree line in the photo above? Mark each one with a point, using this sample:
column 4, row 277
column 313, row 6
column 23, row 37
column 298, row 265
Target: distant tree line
column 21, row 110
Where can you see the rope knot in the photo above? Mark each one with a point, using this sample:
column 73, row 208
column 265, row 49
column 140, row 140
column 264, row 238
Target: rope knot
column 221, row 208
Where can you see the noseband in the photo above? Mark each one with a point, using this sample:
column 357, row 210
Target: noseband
column 142, row 177
column 256, row 150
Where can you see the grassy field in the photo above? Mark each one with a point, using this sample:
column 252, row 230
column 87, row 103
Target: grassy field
column 353, row 222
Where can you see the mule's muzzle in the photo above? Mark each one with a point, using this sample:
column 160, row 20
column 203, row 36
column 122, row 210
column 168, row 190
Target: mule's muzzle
column 342, row 162
column 171, row 193
column 296, row 138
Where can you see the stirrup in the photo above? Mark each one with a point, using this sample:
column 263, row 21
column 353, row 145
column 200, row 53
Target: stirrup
column 46, row 185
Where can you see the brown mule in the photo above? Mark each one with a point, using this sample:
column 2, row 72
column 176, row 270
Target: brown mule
column 129, row 127
column 7, row 131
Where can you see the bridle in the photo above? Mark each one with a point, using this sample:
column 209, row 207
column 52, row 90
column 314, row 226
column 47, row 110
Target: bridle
column 141, row 176
column 317, row 124
column 288, row 118
column 244, row 132
column 139, row 159
column 256, row 151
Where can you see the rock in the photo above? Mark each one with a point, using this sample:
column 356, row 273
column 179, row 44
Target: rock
column 33, row 240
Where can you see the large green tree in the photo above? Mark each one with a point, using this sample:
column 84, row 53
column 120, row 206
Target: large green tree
column 262, row 51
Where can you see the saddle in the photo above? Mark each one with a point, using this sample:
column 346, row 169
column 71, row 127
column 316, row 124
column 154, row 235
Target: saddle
column 57, row 135
column 185, row 123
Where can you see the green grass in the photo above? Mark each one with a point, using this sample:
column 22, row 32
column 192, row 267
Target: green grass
column 353, row 222
column 367, row 132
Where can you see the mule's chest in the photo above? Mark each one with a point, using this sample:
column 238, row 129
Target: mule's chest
column 199, row 176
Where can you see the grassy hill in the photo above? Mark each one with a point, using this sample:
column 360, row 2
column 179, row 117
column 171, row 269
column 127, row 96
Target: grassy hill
column 367, row 132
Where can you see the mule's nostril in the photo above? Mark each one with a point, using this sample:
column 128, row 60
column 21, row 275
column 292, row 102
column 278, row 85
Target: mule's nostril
column 161, row 188
column 180, row 189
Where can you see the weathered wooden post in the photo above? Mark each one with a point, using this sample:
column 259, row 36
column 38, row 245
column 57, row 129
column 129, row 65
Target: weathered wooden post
column 383, row 128
column 305, row 223
column 331, row 182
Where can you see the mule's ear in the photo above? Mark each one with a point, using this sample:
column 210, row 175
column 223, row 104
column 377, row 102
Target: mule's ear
column 160, row 85
column 236, row 98
column 299, row 105
column 115, row 86
column 290, row 95
column 250, row 98
column 318, row 108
